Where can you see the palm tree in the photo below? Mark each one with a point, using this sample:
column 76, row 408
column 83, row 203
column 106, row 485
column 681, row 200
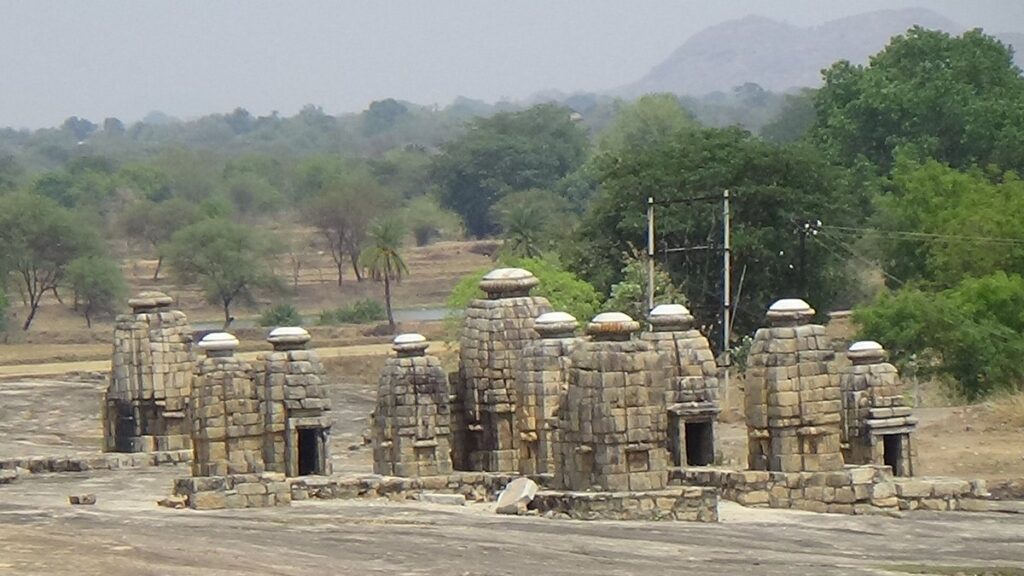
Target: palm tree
column 523, row 228
column 382, row 260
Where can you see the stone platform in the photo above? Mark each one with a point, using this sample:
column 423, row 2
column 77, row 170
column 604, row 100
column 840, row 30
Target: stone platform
column 692, row 504
column 234, row 491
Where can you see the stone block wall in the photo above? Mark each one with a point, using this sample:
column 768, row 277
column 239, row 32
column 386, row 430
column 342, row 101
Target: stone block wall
column 411, row 427
column 691, row 504
column 227, row 425
column 877, row 425
column 495, row 330
column 293, row 404
column 692, row 397
column 793, row 401
column 234, row 491
column 150, row 378
column 541, row 381
column 612, row 425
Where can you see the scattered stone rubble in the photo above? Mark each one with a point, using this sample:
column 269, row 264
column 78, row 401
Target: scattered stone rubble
column 411, row 426
column 692, row 397
column 876, row 423
column 541, row 381
column 495, row 331
column 792, row 395
column 150, row 379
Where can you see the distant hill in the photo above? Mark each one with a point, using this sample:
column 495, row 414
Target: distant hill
column 780, row 56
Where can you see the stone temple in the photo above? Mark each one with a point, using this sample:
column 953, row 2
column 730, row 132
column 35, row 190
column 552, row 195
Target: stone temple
column 495, row 330
column 877, row 426
column 541, row 380
column 295, row 407
column 612, row 425
column 792, row 394
column 150, row 380
column 692, row 396
column 411, row 425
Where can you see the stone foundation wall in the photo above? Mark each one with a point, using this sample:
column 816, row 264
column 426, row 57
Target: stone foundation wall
column 234, row 491
column 108, row 461
column 853, row 490
column 691, row 504
column 475, row 486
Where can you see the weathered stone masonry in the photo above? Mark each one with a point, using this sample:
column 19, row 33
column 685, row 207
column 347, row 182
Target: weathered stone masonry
column 411, row 427
column 144, row 409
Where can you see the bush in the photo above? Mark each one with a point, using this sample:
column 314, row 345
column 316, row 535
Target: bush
column 281, row 315
column 360, row 312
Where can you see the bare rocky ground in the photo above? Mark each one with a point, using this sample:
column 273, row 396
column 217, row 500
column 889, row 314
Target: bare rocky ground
column 127, row 533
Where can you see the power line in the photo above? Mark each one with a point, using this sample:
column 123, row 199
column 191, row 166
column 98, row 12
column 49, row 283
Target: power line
column 925, row 235
column 849, row 249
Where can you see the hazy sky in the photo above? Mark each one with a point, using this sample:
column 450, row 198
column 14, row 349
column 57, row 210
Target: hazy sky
column 124, row 58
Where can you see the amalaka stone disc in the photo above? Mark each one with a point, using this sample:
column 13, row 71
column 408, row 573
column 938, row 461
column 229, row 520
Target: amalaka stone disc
column 218, row 341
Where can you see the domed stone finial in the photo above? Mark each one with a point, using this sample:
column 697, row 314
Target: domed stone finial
column 409, row 344
column 612, row 326
column 288, row 337
column 668, row 317
column 149, row 300
column 866, row 352
column 555, row 325
column 508, row 283
column 218, row 344
column 789, row 312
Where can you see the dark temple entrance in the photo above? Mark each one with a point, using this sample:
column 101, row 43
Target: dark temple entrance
column 309, row 451
column 124, row 426
column 700, row 444
column 892, row 453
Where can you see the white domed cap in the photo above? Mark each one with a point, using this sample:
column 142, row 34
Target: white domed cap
column 670, row 316
column 218, row 341
column 789, row 311
column 288, row 336
column 410, row 344
column 555, row 324
column 612, row 324
column 508, row 282
column 865, row 352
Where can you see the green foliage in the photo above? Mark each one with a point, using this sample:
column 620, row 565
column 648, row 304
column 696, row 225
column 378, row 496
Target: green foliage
column 646, row 124
column 794, row 120
column 281, row 315
column 773, row 188
column 363, row 311
column 531, row 221
column 629, row 295
column 428, row 221
column 562, row 288
column 38, row 241
column 4, row 310
column 505, row 153
column 155, row 222
column 228, row 261
column 959, row 100
column 98, row 285
column 938, row 206
column 972, row 333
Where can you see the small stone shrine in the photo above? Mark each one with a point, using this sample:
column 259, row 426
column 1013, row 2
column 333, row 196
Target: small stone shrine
column 411, row 428
column 612, row 425
column 692, row 397
column 792, row 395
column 541, row 381
column 227, row 425
column 495, row 331
column 876, row 423
column 295, row 408
column 150, row 380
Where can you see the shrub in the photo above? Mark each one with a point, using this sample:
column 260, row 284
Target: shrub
column 281, row 315
column 360, row 312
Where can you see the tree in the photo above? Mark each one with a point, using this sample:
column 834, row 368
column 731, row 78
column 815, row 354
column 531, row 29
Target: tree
column 382, row 259
column 10, row 173
column 4, row 306
column 155, row 223
column 530, row 222
column 382, row 115
column 98, row 285
column 630, row 294
column 958, row 99
column 79, row 127
column 794, row 120
column 228, row 261
column 505, row 153
column 428, row 221
column 774, row 189
column 38, row 241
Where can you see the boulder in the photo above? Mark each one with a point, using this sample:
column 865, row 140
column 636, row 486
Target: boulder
column 516, row 496
column 82, row 500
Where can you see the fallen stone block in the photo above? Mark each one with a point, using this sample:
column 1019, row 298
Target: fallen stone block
column 516, row 496
column 450, row 499
column 82, row 500
column 7, row 476
column 175, row 502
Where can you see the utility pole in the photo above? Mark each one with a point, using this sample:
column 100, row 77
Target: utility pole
column 726, row 293
column 650, row 253
column 805, row 229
